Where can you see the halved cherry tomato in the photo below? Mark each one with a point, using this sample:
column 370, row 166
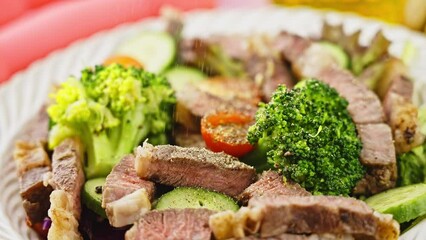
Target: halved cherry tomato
column 227, row 131
column 123, row 60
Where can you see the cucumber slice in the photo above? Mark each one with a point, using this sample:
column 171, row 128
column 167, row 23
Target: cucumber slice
column 92, row 196
column 187, row 197
column 180, row 76
column 404, row 203
column 154, row 50
column 337, row 52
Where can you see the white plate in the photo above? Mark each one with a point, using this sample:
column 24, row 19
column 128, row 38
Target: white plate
column 23, row 96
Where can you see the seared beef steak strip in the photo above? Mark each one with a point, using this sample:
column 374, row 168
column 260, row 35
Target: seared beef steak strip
column 172, row 224
column 193, row 167
column 364, row 105
column 121, row 182
column 214, row 93
column 33, row 162
column 378, row 156
column 274, row 215
column 67, row 179
column 67, row 170
column 271, row 183
column 196, row 100
column 35, row 195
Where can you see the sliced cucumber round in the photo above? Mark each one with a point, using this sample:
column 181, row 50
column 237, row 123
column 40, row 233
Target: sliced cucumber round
column 404, row 203
column 187, row 197
column 337, row 52
column 180, row 76
column 92, row 195
column 154, row 50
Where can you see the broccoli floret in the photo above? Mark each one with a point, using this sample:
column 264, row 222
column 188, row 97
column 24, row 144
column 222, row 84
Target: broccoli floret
column 112, row 109
column 311, row 138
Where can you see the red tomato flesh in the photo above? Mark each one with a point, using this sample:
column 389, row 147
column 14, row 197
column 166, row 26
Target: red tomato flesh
column 227, row 132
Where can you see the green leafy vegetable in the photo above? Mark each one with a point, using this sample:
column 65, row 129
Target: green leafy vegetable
column 311, row 138
column 112, row 109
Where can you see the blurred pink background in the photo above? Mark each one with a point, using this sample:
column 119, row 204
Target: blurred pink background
column 31, row 29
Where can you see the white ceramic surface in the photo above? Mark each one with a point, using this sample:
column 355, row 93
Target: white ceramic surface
column 25, row 93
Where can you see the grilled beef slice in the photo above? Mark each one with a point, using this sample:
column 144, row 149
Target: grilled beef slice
column 364, row 105
column 196, row 100
column 193, row 167
column 324, row 214
column 33, row 162
column 67, row 170
column 67, row 180
column 172, row 224
column 378, row 156
column 121, row 182
column 271, row 183
column 272, row 216
column 215, row 93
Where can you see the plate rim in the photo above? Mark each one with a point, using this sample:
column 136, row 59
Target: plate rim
column 19, row 77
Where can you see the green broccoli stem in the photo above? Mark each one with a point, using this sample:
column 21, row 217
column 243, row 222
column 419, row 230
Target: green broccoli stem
column 132, row 129
column 100, row 154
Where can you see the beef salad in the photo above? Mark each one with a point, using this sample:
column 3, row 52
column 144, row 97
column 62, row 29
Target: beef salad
column 229, row 137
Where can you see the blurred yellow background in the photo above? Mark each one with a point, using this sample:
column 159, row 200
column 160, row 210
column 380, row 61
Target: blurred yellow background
column 412, row 13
